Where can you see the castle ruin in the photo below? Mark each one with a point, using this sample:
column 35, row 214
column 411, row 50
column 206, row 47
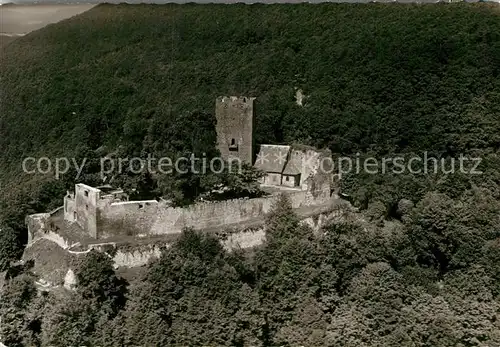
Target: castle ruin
column 95, row 216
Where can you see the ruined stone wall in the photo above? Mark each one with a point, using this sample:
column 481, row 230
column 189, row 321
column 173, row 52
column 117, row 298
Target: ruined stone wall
column 37, row 223
column 131, row 218
column 248, row 238
column 211, row 214
column 40, row 225
column 138, row 253
column 317, row 173
column 86, row 199
column 57, row 238
column 116, row 220
column 245, row 239
column 235, row 119
column 106, row 219
column 146, row 218
column 135, row 257
column 69, row 208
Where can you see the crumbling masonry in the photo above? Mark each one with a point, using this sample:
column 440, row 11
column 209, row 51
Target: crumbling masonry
column 102, row 215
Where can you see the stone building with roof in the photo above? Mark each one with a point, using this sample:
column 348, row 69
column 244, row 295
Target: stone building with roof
column 284, row 165
column 272, row 160
column 292, row 167
column 293, row 170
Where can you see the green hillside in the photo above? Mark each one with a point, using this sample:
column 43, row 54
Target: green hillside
column 417, row 265
column 389, row 77
column 4, row 40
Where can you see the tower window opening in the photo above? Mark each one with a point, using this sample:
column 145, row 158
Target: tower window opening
column 233, row 146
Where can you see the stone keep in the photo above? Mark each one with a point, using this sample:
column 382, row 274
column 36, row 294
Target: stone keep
column 235, row 117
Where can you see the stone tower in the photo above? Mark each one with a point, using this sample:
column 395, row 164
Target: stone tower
column 235, row 127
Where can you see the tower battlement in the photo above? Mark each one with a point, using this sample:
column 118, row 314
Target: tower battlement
column 236, row 100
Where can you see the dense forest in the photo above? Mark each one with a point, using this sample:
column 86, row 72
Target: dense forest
column 351, row 284
column 419, row 266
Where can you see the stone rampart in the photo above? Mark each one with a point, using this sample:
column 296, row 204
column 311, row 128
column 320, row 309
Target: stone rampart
column 149, row 218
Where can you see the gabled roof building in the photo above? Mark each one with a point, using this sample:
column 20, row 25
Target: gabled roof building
column 272, row 159
column 290, row 167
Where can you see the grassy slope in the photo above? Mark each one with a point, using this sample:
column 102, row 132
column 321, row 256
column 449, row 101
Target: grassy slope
column 394, row 77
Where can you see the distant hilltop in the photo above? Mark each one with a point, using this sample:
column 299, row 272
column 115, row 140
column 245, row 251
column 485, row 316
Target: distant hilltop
column 31, row 3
